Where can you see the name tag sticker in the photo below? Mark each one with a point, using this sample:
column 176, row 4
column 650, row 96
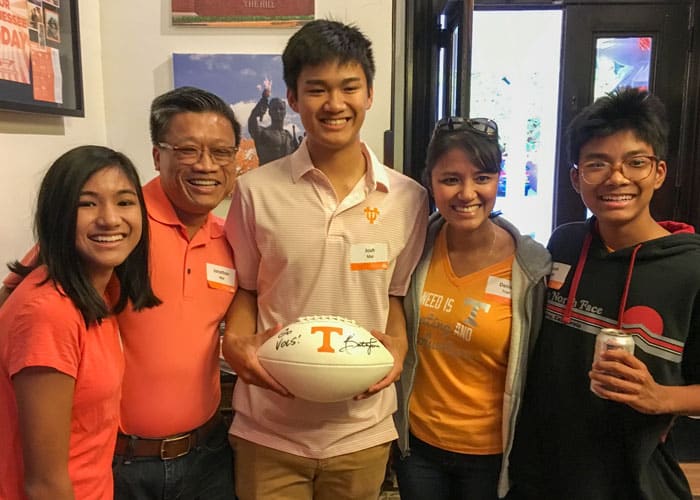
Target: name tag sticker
column 223, row 278
column 498, row 289
column 369, row 256
column 558, row 276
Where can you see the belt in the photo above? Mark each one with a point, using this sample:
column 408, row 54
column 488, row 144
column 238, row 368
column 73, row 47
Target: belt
column 167, row 448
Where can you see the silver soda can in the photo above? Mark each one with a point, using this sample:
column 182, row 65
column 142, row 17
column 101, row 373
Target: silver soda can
column 607, row 339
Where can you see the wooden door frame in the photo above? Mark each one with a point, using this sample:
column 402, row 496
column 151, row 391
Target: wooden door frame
column 420, row 82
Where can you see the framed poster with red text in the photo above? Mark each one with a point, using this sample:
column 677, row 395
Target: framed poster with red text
column 242, row 13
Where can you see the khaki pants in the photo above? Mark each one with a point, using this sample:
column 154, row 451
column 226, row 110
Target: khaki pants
column 264, row 473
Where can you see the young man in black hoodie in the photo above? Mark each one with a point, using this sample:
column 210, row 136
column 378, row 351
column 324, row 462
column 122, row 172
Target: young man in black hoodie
column 619, row 269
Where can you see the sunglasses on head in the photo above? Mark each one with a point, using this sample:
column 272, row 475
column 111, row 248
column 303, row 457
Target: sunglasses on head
column 456, row 123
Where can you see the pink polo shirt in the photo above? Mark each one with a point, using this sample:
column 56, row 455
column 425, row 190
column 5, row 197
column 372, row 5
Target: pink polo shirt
column 303, row 251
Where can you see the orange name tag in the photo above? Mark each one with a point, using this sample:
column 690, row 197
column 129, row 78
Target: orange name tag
column 369, row 256
column 558, row 276
column 498, row 289
column 223, row 278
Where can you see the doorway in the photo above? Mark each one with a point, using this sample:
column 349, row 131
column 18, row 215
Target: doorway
column 581, row 37
column 515, row 82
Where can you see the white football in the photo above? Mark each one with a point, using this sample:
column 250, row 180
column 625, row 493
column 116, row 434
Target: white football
column 325, row 358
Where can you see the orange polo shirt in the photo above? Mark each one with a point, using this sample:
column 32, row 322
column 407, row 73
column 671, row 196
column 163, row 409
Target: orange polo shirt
column 171, row 381
column 40, row 326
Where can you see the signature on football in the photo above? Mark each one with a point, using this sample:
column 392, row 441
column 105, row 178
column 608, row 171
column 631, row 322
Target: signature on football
column 284, row 339
column 350, row 345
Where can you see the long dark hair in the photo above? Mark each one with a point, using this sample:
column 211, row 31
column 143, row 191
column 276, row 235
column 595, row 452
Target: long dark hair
column 55, row 227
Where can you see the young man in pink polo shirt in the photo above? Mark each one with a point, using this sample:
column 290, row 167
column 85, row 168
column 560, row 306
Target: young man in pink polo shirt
column 297, row 226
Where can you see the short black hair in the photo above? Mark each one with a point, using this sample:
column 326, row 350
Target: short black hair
column 482, row 150
column 187, row 100
column 55, row 227
column 624, row 109
column 323, row 41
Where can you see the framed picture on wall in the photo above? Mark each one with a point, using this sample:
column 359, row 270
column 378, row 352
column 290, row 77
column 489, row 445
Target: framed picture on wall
column 247, row 14
column 253, row 86
column 40, row 70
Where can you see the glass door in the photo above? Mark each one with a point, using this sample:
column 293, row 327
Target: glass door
column 515, row 81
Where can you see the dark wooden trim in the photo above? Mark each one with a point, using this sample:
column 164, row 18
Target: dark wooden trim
column 420, row 83
column 688, row 208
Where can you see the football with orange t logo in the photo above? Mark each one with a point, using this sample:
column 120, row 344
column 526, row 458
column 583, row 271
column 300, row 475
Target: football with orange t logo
column 325, row 358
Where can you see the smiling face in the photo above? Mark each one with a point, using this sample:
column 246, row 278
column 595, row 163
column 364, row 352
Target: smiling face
column 464, row 194
column 108, row 224
column 195, row 190
column 617, row 200
column 332, row 100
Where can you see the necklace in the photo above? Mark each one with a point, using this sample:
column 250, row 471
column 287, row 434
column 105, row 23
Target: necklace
column 493, row 240
column 469, row 250
column 465, row 259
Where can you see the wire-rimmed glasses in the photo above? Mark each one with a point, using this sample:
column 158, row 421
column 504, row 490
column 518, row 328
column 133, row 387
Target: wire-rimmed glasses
column 634, row 168
column 189, row 155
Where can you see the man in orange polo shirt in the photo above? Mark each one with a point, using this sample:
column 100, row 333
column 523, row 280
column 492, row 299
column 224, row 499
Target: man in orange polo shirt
column 173, row 443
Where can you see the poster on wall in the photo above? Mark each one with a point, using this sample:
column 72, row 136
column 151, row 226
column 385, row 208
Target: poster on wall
column 51, row 19
column 46, row 70
column 14, row 41
column 253, row 86
column 40, row 57
column 242, row 13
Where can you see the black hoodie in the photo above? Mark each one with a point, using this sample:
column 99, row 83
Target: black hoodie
column 571, row 444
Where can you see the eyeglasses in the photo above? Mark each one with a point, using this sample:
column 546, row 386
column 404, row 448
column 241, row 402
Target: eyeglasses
column 454, row 123
column 189, row 155
column 634, row 168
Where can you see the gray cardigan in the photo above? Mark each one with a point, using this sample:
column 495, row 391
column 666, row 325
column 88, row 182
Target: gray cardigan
column 531, row 266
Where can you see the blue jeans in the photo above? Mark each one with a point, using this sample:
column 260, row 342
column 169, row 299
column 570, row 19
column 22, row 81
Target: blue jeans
column 205, row 473
column 430, row 472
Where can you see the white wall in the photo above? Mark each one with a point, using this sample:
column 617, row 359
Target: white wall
column 30, row 142
column 126, row 53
